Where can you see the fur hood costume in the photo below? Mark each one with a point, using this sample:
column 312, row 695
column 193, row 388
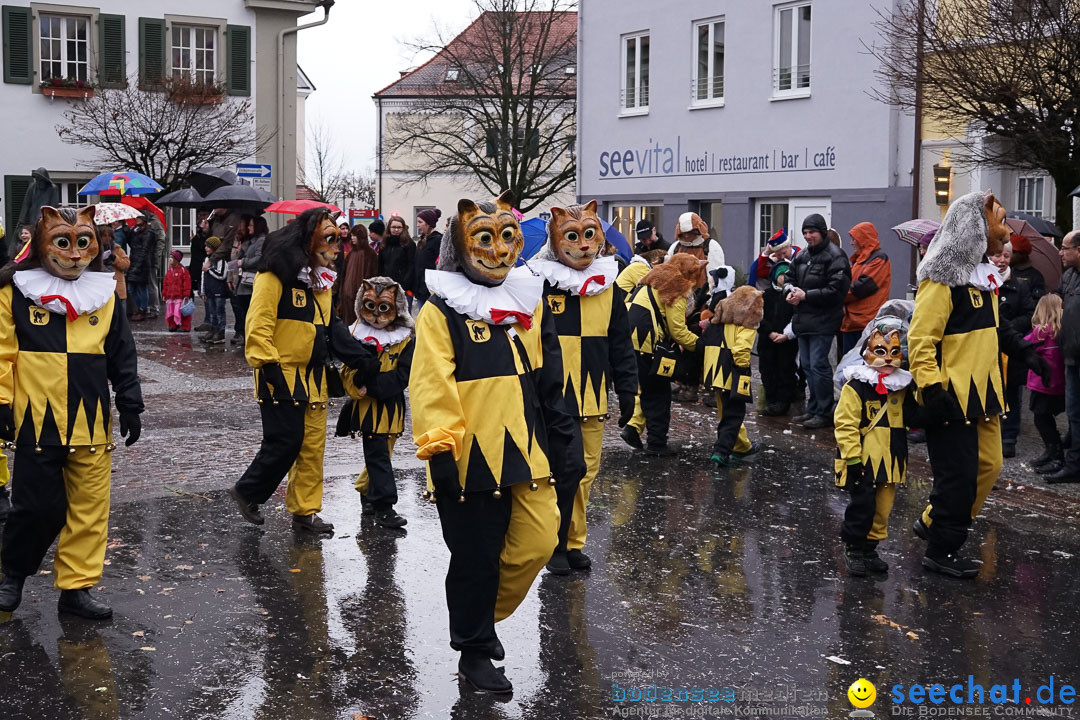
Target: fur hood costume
column 744, row 307
column 674, row 279
column 960, row 245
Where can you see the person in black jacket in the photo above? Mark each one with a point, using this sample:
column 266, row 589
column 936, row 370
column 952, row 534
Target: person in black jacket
column 141, row 245
column 821, row 276
column 776, row 356
column 1017, row 298
column 427, row 251
column 1069, row 340
column 397, row 258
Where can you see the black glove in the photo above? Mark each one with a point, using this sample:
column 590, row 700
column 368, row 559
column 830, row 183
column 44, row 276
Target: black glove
column 7, row 423
column 626, row 408
column 1038, row 365
column 854, row 475
column 939, row 406
column 566, row 458
column 275, row 378
column 444, row 475
column 130, row 427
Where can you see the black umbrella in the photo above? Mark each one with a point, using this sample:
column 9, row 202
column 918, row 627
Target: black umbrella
column 1076, row 191
column 239, row 197
column 186, row 198
column 1043, row 227
column 207, row 179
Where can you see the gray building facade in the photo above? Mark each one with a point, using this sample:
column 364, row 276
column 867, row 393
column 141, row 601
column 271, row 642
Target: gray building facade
column 752, row 113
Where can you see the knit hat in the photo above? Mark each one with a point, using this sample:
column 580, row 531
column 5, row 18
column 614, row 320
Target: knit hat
column 177, row 255
column 377, row 226
column 1021, row 244
column 430, row 216
column 644, row 229
column 814, row 221
column 213, row 242
column 342, row 220
column 778, row 241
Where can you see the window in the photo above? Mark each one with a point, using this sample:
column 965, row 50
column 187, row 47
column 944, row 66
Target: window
column 452, row 74
column 194, row 50
column 635, row 79
column 708, row 82
column 791, row 71
column 181, row 228
column 626, row 217
column 1029, row 196
column 771, row 217
column 570, row 70
column 64, row 48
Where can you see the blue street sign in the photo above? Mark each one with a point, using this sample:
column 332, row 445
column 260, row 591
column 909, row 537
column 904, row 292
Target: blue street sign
column 256, row 170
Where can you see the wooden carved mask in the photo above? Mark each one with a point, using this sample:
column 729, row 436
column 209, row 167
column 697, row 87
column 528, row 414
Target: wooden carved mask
column 576, row 235
column 995, row 219
column 487, row 239
column 378, row 303
column 324, row 243
column 66, row 241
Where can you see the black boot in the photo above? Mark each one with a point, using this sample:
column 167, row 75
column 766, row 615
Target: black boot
column 1050, row 468
column 631, row 437
column 920, row 529
column 312, row 523
column 873, row 561
column 1050, row 453
column 11, row 591
column 366, row 506
column 1008, row 449
column 5, row 502
column 249, row 510
column 81, row 603
column 477, row 670
column 498, row 652
column 1065, row 475
column 578, row 560
column 558, row 564
column 950, row 564
column 390, row 519
column 855, row 560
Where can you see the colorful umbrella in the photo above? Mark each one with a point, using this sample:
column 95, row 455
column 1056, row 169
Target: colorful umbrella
column 295, row 207
column 916, row 232
column 141, row 203
column 106, row 213
column 121, row 183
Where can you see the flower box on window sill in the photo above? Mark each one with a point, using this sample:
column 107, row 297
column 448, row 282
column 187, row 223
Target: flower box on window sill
column 68, row 92
column 197, row 99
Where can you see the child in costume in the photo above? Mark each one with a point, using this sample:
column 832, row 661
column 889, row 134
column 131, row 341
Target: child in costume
column 175, row 288
column 877, row 404
column 377, row 407
column 589, row 312
column 488, row 417
column 1047, row 399
column 728, row 340
column 64, row 339
column 291, row 333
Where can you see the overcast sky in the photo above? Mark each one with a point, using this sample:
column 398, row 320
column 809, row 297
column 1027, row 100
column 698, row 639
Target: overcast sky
column 361, row 50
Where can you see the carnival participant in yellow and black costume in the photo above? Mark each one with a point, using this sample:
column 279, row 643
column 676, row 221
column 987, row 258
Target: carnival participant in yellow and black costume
column 953, row 346
column 876, row 406
column 638, row 267
column 589, row 311
column 5, row 493
column 488, row 417
column 656, row 313
column 64, row 338
column 728, row 340
column 377, row 409
column 291, row 333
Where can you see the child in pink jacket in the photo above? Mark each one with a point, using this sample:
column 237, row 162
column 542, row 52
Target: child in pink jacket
column 1047, row 401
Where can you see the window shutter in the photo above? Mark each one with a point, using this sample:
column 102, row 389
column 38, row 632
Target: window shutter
column 151, row 53
column 15, row 187
column 238, row 75
column 112, row 55
column 532, row 148
column 18, row 37
column 492, row 149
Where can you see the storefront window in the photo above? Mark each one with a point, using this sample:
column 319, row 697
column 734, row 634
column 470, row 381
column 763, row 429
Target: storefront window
column 771, row 217
column 626, row 217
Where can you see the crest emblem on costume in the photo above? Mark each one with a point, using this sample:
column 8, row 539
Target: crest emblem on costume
column 478, row 331
column 557, row 303
column 299, row 298
column 93, row 320
column 39, row 316
column 976, row 297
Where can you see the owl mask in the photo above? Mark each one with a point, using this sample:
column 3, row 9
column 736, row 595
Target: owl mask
column 381, row 303
column 884, row 351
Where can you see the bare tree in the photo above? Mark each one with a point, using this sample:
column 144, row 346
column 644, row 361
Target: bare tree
column 359, row 186
column 498, row 102
column 166, row 133
column 325, row 174
column 1007, row 68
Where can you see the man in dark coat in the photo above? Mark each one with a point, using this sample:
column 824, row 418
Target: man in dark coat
column 821, row 275
column 648, row 239
column 1069, row 340
column 1017, row 297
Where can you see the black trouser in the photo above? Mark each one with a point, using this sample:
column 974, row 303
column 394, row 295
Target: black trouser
column 863, row 505
column 283, row 436
column 382, row 491
column 1046, row 425
column 731, row 419
column 240, row 305
column 565, row 492
column 954, row 460
column 776, row 362
column 655, row 402
column 39, row 508
column 474, row 531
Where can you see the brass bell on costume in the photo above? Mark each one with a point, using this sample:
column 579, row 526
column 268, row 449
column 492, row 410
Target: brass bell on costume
column 533, row 485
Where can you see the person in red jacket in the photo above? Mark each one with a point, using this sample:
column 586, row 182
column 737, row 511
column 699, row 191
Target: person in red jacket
column 871, row 275
column 174, row 290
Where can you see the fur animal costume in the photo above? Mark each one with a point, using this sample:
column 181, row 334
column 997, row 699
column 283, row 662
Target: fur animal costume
column 728, row 340
column 953, row 345
column 291, row 333
column 376, row 409
column 486, row 397
column 64, row 338
column 589, row 313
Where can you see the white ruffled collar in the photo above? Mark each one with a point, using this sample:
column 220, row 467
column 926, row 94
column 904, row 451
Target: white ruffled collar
column 89, row 292
column 593, row 280
column 639, row 259
column 898, row 379
column 986, row 276
column 380, row 337
column 318, row 281
column 515, row 300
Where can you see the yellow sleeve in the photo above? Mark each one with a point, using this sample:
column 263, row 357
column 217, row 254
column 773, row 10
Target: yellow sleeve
column 9, row 348
column 438, row 420
column 628, row 278
column 744, row 342
column 933, row 305
column 675, row 317
column 261, row 320
column 348, row 380
column 846, row 419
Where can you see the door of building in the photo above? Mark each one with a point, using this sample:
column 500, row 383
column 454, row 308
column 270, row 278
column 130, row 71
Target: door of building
column 800, row 208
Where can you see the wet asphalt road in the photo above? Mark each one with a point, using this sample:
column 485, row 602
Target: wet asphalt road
column 729, row 580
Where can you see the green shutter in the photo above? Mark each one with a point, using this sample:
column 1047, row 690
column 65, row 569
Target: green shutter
column 18, row 38
column 112, row 55
column 15, row 187
column 238, row 72
column 151, row 53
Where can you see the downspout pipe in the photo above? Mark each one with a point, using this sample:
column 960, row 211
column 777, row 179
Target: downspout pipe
column 325, row 5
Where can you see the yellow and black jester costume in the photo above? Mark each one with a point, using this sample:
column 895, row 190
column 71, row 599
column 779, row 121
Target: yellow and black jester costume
column 376, row 410
column 486, row 398
column 290, row 334
column 876, row 406
column 953, row 346
column 64, row 338
column 589, row 312
column 727, row 342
